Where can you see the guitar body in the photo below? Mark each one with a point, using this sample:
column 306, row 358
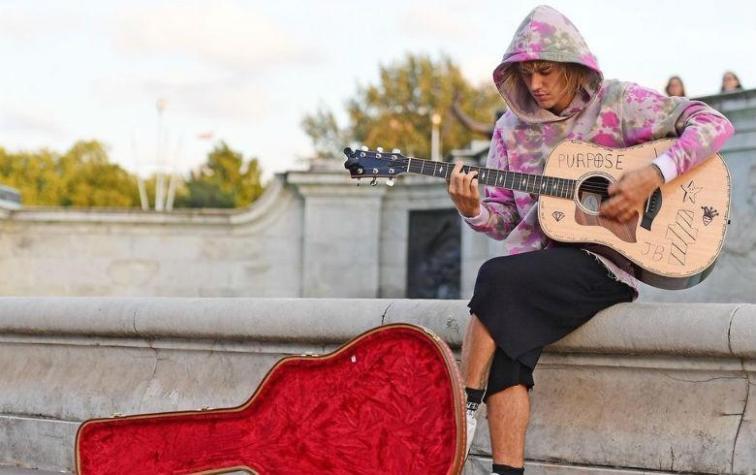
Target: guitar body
column 672, row 242
column 390, row 401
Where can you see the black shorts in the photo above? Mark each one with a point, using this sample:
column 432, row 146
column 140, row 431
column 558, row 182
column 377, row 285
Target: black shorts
column 529, row 300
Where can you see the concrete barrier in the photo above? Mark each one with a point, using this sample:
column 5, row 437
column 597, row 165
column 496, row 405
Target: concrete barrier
column 659, row 388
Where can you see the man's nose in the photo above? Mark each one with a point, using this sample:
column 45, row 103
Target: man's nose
column 536, row 82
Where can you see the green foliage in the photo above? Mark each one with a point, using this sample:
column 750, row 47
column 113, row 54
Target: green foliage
column 82, row 176
column 396, row 112
column 225, row 181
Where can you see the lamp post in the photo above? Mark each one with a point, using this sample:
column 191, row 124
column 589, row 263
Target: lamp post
column 435, row 137
column 160, row 178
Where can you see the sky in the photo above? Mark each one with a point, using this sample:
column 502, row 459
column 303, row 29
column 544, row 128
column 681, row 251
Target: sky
column 248, row 71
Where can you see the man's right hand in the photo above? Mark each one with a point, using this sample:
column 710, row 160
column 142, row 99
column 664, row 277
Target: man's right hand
column 463, row 189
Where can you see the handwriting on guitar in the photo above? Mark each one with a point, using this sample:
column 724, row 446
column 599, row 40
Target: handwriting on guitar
column 656, row 251
column 591, row 160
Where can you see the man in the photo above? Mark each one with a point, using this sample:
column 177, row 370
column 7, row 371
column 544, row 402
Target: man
column 539, row 291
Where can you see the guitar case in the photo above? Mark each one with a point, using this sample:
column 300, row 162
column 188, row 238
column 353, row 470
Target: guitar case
column 390, row 401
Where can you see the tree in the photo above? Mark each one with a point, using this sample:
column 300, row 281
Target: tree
column 396, row 112
column 83, row 176
column 89, row 179
column 226, row 180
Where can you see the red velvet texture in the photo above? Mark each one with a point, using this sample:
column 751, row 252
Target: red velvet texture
column 384, row 404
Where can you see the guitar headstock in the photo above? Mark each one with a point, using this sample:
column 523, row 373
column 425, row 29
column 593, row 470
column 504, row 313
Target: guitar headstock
column 374, row 164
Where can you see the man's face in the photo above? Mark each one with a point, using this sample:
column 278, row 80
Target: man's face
column 547, row 85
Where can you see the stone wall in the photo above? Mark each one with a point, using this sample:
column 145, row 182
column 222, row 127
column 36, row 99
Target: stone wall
column 312, row 234
column 210, row 253
column 642, row 387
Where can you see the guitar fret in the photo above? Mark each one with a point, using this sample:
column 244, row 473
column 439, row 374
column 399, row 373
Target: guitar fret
column 525, row 182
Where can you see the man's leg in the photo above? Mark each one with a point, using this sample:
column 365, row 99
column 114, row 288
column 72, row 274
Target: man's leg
column 477, row 354
column 508, row 415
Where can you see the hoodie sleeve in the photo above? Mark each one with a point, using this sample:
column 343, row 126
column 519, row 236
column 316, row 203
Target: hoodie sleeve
column 700, row 130
column 498, row 212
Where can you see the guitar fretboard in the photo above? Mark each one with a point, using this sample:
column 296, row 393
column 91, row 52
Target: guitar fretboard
column 529, row 183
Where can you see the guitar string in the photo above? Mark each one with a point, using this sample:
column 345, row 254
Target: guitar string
column 599, row 188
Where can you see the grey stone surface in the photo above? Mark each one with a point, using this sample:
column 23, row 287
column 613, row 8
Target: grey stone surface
column 254, row 252
column 659, row 388
column 26, row 471
column 744, row 449
column 341, row 235
column 39, row 443
column 477, row 465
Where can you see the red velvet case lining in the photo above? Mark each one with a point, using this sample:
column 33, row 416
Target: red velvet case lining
column 388, row 402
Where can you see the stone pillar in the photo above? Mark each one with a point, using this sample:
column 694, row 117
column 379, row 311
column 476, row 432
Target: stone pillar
column 340, row 247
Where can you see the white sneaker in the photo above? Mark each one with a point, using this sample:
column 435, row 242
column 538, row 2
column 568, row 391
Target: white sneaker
column 471, row 424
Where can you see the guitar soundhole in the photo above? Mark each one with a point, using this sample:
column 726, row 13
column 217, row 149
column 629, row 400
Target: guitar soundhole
column 591, row 192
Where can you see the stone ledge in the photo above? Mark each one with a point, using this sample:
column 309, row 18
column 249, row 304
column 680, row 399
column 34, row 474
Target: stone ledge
column 637, row 328
column 661, row 388
column 264, row 206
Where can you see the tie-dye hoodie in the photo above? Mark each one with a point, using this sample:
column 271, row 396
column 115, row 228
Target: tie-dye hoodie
column 605, row 112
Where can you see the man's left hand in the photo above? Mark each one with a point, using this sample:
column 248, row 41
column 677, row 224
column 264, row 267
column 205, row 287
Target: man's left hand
column 630, row 192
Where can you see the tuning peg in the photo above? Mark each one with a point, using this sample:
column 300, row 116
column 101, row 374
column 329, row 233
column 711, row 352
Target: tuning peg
column 390, row 181
column 374, row 181
column 379, row 149
column 396, row 150
column 364, row 148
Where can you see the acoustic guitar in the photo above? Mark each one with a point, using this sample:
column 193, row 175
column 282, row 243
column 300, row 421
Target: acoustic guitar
column 390, row 401
column 672, row 241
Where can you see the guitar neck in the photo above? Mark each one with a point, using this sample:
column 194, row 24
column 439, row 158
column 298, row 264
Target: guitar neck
column 528, row 183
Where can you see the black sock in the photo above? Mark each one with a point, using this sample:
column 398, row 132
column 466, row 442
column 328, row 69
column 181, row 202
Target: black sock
column 507, row 470
column 474, row 398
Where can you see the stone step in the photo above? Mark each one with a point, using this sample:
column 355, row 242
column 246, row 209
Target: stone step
column 25, row 471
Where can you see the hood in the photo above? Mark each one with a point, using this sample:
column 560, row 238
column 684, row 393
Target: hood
column 545, row 34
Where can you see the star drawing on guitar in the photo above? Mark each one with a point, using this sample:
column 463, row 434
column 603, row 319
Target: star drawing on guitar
column 691, row 190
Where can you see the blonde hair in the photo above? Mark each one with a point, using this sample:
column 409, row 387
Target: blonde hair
column 574, row 75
